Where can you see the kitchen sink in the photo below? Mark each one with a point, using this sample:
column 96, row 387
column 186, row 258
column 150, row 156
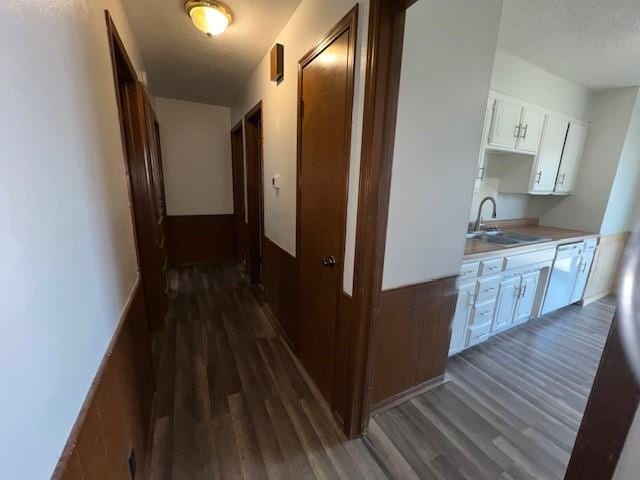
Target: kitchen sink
column 506, row 239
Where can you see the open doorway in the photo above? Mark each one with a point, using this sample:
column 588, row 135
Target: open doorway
column 237, row 166
column 255, row 194
column 510, row 399
column 141, row 143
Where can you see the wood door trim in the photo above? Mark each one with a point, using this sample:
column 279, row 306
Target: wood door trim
column 253, row 237
column 238, row 176
column 383, row 67
column 348, row 23
column 382, row 85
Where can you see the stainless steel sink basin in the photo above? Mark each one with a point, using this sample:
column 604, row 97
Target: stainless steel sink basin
column 506, row 239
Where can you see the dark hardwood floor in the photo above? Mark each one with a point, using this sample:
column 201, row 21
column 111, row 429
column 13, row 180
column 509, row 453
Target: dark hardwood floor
column 508, row 408
column 232, row 402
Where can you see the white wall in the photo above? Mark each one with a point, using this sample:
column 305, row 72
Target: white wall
column 307, row 26
column 514, row 76
column 625, row 190
column 196, row 157
column 68, row 257
column 447, row 63
column 585, row 209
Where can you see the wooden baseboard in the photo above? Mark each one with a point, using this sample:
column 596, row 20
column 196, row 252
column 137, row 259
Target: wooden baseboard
column 201, row 238
column 411, row 338
column 115, row 418
column 402, row 397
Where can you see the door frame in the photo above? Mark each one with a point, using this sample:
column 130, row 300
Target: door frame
column 255, row 191
column 615, row 394
column 237, row 167
column 124, row 74
column 347, row 23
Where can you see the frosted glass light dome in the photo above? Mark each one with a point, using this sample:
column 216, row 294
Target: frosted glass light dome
column 209, row 17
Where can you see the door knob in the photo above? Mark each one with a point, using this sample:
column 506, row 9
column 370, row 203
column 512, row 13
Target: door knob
column 329, row 261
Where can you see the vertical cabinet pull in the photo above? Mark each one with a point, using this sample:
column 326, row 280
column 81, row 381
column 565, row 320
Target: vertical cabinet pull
column 538, row 177
column 524, row 135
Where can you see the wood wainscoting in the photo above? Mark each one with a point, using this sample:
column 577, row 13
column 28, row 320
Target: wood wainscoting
column 281, row 288
column 604, row 271
column 201, row 238
column 115, row 417
column 411, row 341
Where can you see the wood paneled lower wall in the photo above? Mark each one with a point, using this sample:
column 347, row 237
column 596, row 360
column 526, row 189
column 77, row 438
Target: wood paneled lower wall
column 115, row 418
column 201, row 238
column 604, row 271
column 281, row 288
column 411, row 340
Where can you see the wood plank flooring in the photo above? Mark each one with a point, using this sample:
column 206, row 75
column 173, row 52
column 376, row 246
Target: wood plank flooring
column 232, row 401
column 509, row 408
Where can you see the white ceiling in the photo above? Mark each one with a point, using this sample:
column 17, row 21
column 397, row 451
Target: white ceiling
column 595, row 43
column 183, row 63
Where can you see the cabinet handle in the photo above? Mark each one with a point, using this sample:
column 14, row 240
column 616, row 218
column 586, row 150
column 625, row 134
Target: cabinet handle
column 487, row 290
column 526, row 127
column 538, row 177
column 564, row 175
column 518, row 130
column 480, row 173
column 523, row 291
column 484, row 314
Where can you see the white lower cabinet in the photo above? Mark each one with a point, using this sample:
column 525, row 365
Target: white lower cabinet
column 508, row 295
column 496, row 294
column 464, row 308
column 527, row 296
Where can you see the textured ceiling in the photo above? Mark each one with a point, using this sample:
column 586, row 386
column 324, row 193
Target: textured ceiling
column 595, row 43
column 182, row 62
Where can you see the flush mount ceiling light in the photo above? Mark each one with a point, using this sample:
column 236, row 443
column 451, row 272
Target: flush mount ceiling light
column 208, row 16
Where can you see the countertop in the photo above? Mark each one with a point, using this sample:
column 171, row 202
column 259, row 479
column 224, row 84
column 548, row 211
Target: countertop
column 477, row 249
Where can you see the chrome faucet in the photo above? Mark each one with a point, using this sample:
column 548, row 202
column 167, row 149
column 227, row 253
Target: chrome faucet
column 478, row 224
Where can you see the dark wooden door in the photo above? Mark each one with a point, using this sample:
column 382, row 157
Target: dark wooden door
column 144, row 166
column 237, row 163
column 255, row 215
column 326, row 92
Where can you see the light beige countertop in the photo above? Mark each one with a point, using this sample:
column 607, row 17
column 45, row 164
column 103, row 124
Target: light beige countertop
column 477, row 249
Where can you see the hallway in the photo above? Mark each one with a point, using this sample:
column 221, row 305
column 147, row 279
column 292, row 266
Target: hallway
column 232, row 402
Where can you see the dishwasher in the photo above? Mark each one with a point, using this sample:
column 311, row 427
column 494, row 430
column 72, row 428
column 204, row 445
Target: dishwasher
column 564, row 274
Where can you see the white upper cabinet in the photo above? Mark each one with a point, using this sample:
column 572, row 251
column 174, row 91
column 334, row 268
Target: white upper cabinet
column 483, row 146
column 574, row 146
column 531, row 124
column 505, row 126
column 545, row 171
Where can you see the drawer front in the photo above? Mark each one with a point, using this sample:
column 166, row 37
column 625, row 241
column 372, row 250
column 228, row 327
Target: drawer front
column 489, row 267
column 526, row 259
column 483, row 313
column 478, row 334
column 469, row 271
column 487, row 289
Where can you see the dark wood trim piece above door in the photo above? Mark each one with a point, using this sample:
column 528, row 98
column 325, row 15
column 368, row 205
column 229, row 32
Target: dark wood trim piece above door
column 255, row 192
column 612, row 405
column 383, row 64
column 237, row 167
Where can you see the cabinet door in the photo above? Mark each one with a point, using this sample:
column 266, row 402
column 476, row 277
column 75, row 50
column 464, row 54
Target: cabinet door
column 506, row 303
column 549, row 155
column 505, row 124
column 583, row 275
column 527, row 297
column 461, row 317
column 571, row 157
column 531, row 130
column 483, row 145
